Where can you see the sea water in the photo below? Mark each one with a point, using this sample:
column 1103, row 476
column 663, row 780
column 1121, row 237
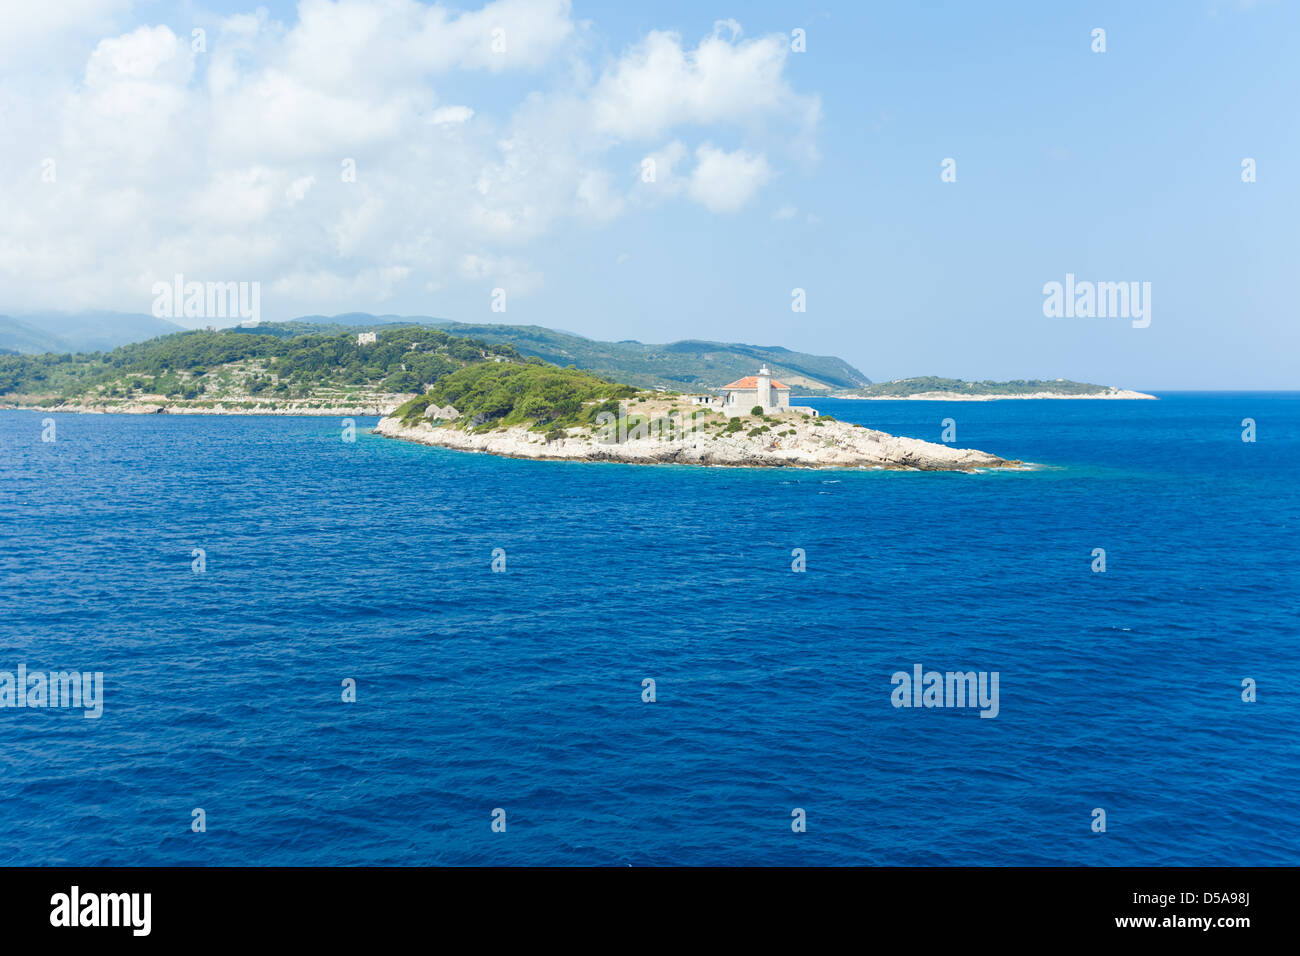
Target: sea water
column 236, row 580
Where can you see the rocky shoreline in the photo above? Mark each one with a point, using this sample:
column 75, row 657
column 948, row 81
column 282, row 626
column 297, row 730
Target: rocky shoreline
column 800, row 443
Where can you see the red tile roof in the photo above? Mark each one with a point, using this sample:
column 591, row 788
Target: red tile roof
column 751, row 381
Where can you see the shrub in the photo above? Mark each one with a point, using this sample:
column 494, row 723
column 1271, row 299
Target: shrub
column 757, row 411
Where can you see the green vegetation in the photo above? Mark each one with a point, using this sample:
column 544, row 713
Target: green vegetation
column 679, row 366
column 237, row 364
column 500, row 395
column 929, row 383
column 757, row 411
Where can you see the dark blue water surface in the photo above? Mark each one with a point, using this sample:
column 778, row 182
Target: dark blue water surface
column 522, row 690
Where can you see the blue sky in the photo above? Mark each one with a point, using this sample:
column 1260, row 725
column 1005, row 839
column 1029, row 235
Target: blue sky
column 1115, row 166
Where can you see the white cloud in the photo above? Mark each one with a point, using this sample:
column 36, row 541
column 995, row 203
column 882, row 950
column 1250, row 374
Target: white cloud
column 33, row 30
column 659, row 84
column 226, row 165
column 596, row 196
column 338, row 43
column 451, row 114
column 299, row 188
column 725, row 182
column 658, row 174
column 499, row 273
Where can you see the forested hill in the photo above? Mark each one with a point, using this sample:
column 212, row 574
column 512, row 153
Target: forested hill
column 689, row 365
column 685, row 365
column 234, row 366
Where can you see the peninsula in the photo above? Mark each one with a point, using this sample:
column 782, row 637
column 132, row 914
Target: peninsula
column 534, row 410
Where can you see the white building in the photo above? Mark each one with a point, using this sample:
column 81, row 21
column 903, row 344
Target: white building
column 367, row 338
column 761, row 389
column 742, row 395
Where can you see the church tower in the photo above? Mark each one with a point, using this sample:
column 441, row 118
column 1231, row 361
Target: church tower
column 765, row 387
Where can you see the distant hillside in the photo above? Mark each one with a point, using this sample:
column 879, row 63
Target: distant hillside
column 237, row 370
column 95, row 331
column 19, row 337
column 930, row 385
column 682, row 365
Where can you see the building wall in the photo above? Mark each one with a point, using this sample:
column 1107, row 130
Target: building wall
column 743, row 398
column 740, row 400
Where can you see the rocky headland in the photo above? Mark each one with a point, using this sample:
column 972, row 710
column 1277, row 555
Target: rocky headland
column 794, row 441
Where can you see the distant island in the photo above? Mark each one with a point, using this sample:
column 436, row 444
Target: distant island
column 931, row 388
column 534, row 410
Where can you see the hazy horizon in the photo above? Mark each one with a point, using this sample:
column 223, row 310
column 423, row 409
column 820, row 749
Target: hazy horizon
column 876, row 377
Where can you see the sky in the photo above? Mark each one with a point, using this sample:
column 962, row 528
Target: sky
column 499, row 172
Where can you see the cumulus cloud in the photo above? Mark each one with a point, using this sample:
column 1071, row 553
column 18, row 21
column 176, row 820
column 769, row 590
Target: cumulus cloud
column 299, row 188
column 660, row 84
column 659, row 175
column 321, row 158
column 31, row 31
column 725, row 182
column 451, row 114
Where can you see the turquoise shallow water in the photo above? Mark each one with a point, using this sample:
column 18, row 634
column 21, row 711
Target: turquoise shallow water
column 522, row 690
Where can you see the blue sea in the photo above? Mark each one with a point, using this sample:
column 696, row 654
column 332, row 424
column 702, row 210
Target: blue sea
column 521, row 690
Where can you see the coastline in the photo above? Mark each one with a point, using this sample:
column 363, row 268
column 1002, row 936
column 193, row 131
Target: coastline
column 800, row 444
column 139, row 408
